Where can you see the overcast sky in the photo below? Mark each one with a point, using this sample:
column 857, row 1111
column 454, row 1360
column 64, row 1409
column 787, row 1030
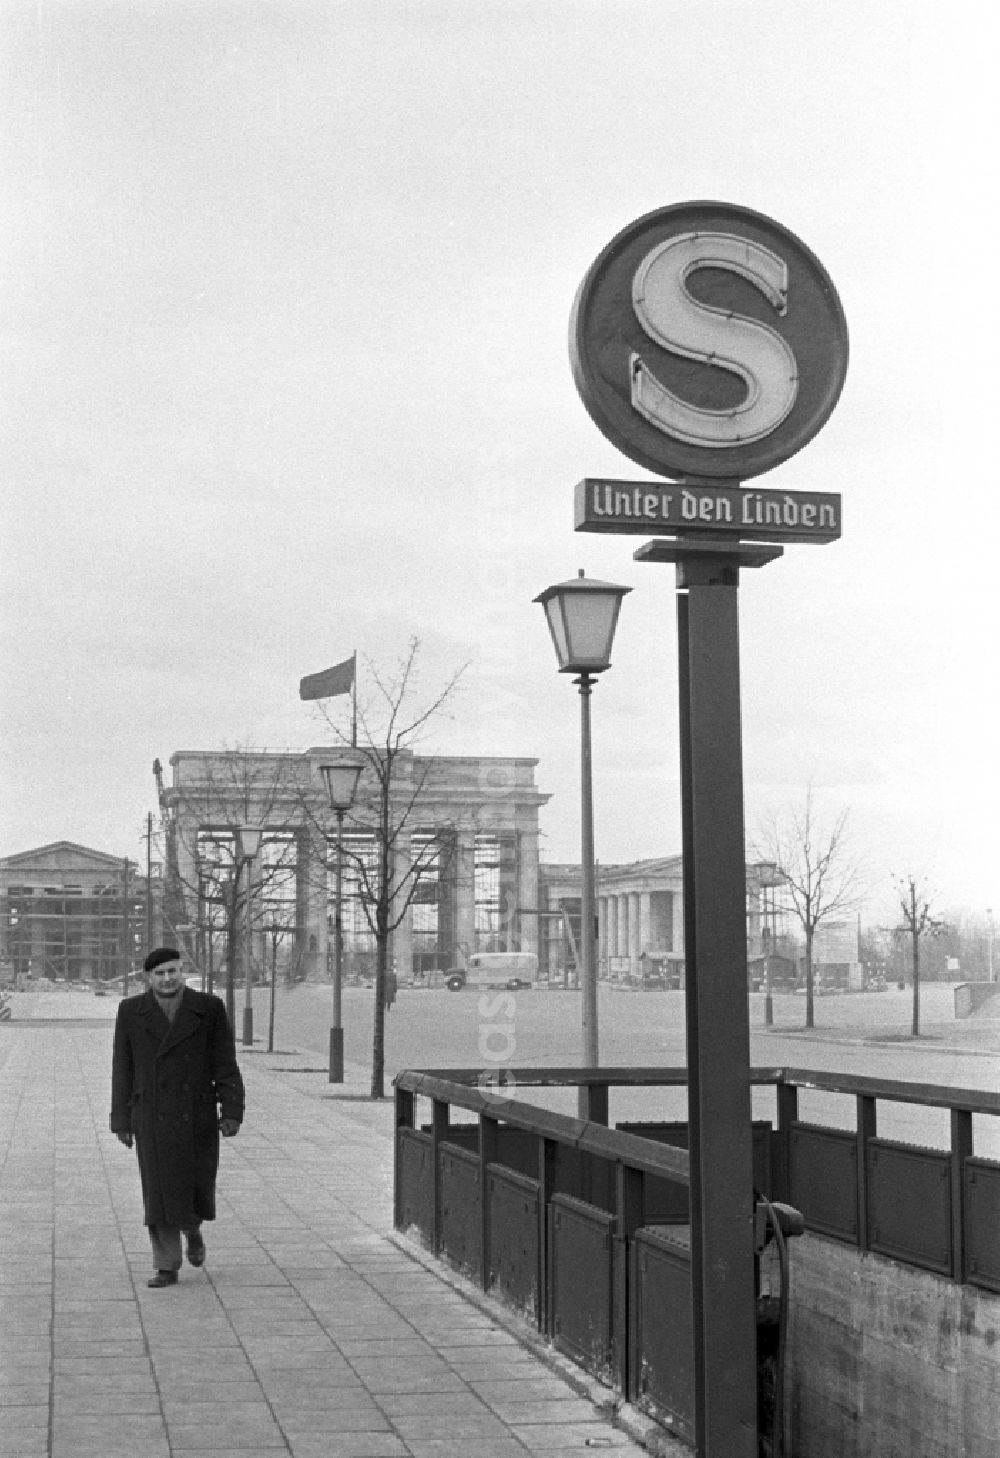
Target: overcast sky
column 285, row 296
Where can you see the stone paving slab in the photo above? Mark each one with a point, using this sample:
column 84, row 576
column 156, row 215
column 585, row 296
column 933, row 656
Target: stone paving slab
column 309, row 1331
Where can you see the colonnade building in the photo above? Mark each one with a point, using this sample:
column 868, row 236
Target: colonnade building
column 640, row 920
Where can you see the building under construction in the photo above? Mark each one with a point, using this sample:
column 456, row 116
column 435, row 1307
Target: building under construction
column 70, row 913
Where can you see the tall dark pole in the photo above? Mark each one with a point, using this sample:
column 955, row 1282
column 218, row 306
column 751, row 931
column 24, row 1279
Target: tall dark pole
column 718, row 1037
column 248, row 959
column 336, row 1027
column 149, row 880
column 275, row 930
column 989, row 943
column 588, row 970
column 231, row 908
column 768, row 949
column 126, row 929
column 210, row 917
column 915, row 939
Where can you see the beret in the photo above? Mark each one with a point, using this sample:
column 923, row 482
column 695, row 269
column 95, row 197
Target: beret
column 159, row 956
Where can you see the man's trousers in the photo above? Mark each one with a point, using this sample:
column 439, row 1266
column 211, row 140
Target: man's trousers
column 166, row 1243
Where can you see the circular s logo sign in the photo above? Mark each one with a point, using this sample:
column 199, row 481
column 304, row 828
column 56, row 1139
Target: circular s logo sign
column 708, row 341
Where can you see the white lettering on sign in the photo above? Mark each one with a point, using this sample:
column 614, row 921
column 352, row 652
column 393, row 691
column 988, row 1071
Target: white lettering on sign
column 762, row 359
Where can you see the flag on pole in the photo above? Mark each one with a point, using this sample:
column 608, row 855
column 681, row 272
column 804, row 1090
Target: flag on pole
column 332, row 681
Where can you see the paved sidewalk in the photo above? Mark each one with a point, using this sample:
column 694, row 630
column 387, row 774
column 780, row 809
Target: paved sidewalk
column 308, row 1332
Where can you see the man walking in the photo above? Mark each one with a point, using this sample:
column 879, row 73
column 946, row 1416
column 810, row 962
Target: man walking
column 175, row 1085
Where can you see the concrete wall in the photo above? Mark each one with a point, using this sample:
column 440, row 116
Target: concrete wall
column 889, row 1361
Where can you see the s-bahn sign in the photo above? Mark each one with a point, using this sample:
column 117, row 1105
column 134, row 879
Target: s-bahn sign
column 752, row 513
column 708, row 342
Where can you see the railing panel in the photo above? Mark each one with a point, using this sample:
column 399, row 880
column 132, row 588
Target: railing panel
column 512, row 1261
column 665, row 1202
column 416, row 1174
column 466, row 1136
column 824, row 1179
column 517, row 1148
column 461, row 1231
column 581, row 1283
column 909, row 1204
column 585, row 1176
column 982, row 1213
column 663, row 1368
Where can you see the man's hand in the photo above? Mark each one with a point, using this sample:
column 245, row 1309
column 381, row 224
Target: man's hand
column 125, row 1139
column 229, row 1127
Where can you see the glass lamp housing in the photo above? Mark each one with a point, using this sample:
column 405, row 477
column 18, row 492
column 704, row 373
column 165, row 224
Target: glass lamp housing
column 248, row 839
column 582, row 615
column 341, row 778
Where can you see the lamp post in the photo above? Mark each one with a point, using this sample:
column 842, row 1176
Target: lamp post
column 248, row 838
column 769, row 880
column 989, row 943
column 205, row 925
column 769, row 934
column 277, row 930
column 341, row 777
column 582, row 615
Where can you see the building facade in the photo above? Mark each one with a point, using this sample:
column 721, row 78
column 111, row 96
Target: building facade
column 462, row 857
column 70, row 913
column 640, row 921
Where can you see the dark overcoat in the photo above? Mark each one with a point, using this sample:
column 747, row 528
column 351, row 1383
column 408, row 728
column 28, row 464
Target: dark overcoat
column 171, row 1082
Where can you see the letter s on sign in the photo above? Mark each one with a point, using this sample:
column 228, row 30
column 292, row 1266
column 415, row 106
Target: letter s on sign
column 671, row 317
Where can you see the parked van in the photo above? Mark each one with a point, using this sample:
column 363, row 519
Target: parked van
column 495, row 969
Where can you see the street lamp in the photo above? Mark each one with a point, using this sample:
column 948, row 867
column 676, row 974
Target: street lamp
column 770, row 878
column 989, row 942
column 277, row 930
column 341, row 776
column 205, row 888
column 248, row 838
column 582, row 615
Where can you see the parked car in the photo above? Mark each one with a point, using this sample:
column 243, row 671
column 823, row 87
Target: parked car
column 495, row 969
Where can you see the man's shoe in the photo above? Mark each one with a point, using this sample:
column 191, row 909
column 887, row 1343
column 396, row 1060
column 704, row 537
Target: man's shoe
column 163, row 1278
column 196, row 1252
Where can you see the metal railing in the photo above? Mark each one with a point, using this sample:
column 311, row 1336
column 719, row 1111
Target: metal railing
column 526, row 1201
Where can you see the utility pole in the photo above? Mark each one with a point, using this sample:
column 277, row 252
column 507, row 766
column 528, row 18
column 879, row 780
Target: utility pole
column 149, row 880
column 126, row 928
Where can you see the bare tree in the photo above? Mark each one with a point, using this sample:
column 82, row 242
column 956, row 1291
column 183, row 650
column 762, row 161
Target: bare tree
column 918, row 921
column 820, row 875
column 388, row 807
column 203, row 871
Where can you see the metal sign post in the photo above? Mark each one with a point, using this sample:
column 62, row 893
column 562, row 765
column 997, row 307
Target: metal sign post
column 719, row 1113
column 708, row 344
column 718, row 1036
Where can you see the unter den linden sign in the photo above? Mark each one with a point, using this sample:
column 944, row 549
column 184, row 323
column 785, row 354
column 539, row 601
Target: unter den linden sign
column 708, row 344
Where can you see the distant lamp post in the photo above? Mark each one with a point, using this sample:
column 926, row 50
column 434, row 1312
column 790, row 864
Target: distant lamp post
column 770, row 879
column 341, row 778
column 582, row 615
column 205, row 889
column 989, row 942
column 277, row 930
column 248, row 839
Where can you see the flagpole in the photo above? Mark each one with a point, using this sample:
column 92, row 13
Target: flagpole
column 354, row 700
